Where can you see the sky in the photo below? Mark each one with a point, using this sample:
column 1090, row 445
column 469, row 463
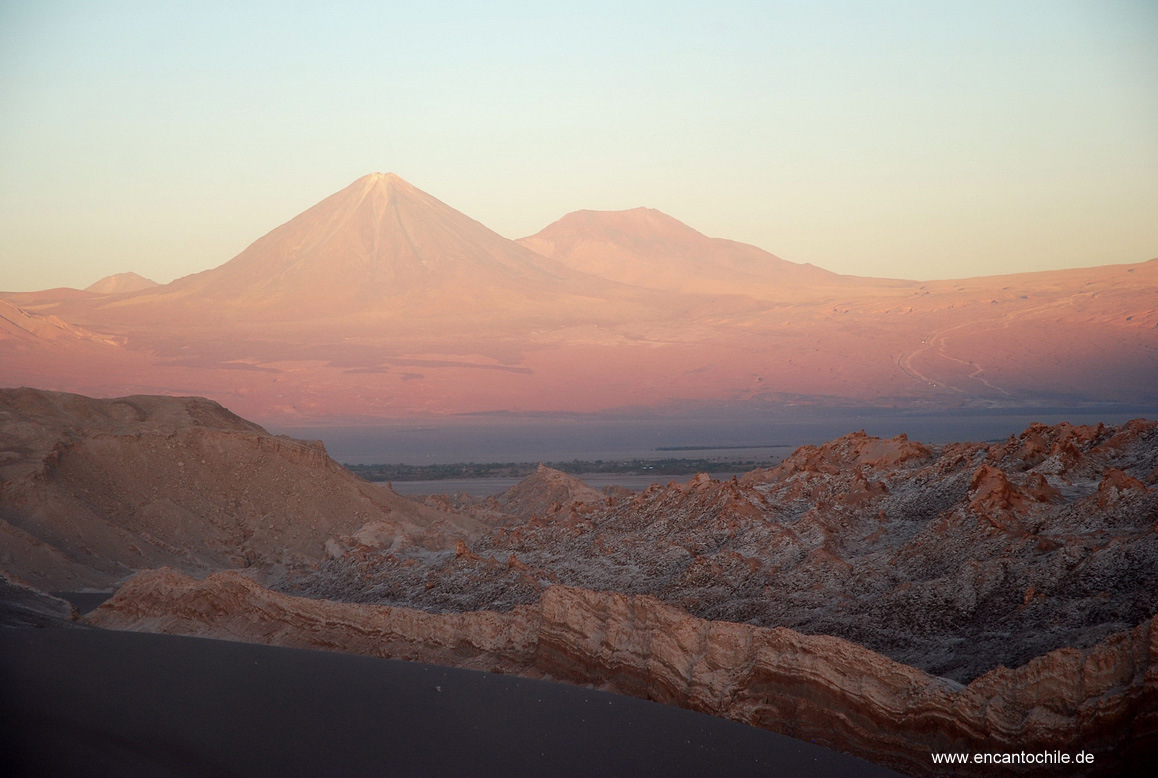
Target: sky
column 915, row 139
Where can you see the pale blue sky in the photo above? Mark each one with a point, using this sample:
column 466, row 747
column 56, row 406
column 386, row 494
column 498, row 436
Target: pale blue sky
column 911, row 139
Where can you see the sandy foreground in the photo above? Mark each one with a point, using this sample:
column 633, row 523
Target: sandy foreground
column 80, row 701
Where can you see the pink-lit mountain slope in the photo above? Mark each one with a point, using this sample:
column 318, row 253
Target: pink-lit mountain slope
column 1064, row 334
column 378, row 251
column 35, row 348
column 648, row 248
column 382, row 301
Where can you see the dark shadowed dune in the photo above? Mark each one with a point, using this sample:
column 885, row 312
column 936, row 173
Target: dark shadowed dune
column 86, row 702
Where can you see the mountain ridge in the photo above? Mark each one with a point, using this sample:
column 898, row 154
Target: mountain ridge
column 647, row 247
column 383, row 301
column 378, row 250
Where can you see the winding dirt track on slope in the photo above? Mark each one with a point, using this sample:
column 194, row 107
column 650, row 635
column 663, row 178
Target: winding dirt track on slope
column 937, row 340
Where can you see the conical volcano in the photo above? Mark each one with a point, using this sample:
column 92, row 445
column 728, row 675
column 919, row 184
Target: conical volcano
column 376, row 246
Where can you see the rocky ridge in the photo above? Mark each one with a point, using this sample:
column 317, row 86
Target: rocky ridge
column 542, row 492
column 93, row 490
column 1103, row 699
column 22, row 605
column 648, row 248
column 955, row 559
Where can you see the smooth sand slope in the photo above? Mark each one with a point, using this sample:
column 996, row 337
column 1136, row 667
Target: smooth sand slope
column 86, row 702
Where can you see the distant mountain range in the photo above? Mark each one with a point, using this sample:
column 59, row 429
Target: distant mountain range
column 382, row 301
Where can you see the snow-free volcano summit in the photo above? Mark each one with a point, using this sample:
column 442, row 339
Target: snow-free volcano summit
column 382, row 301
column 378, row 249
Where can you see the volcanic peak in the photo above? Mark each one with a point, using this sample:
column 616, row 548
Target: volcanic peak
column 381, row 190
column 378, row 238
column 385, row 179
column 385, row 185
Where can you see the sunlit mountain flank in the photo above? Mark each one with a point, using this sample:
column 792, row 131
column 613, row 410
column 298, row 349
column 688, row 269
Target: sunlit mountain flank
column 381, row 301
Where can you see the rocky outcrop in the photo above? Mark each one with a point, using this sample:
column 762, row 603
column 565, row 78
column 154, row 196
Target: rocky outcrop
column 955, row 558
column 546, row 491
column 22, row 605
column 1103, row 699
column 232, row 605
column 93, row 490
column 544, row 495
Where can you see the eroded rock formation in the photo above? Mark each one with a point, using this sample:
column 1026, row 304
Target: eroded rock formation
column 22, row 605
column 955, row 559
column 885, row 597
column 1103, row 699
column 93, row 490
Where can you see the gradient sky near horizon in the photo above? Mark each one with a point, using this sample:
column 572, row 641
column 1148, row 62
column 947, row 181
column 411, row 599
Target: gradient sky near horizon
column 906, row 139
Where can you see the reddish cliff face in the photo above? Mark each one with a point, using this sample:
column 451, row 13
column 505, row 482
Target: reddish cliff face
column 93, row 490
column 1103, row 699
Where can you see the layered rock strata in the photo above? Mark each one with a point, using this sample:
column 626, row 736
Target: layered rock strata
column 1103, row 699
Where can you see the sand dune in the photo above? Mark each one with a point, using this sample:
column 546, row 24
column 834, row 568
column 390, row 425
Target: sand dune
column 85, row 702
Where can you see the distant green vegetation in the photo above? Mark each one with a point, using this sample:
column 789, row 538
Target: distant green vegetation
column 720, row 447
column 575, row 467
